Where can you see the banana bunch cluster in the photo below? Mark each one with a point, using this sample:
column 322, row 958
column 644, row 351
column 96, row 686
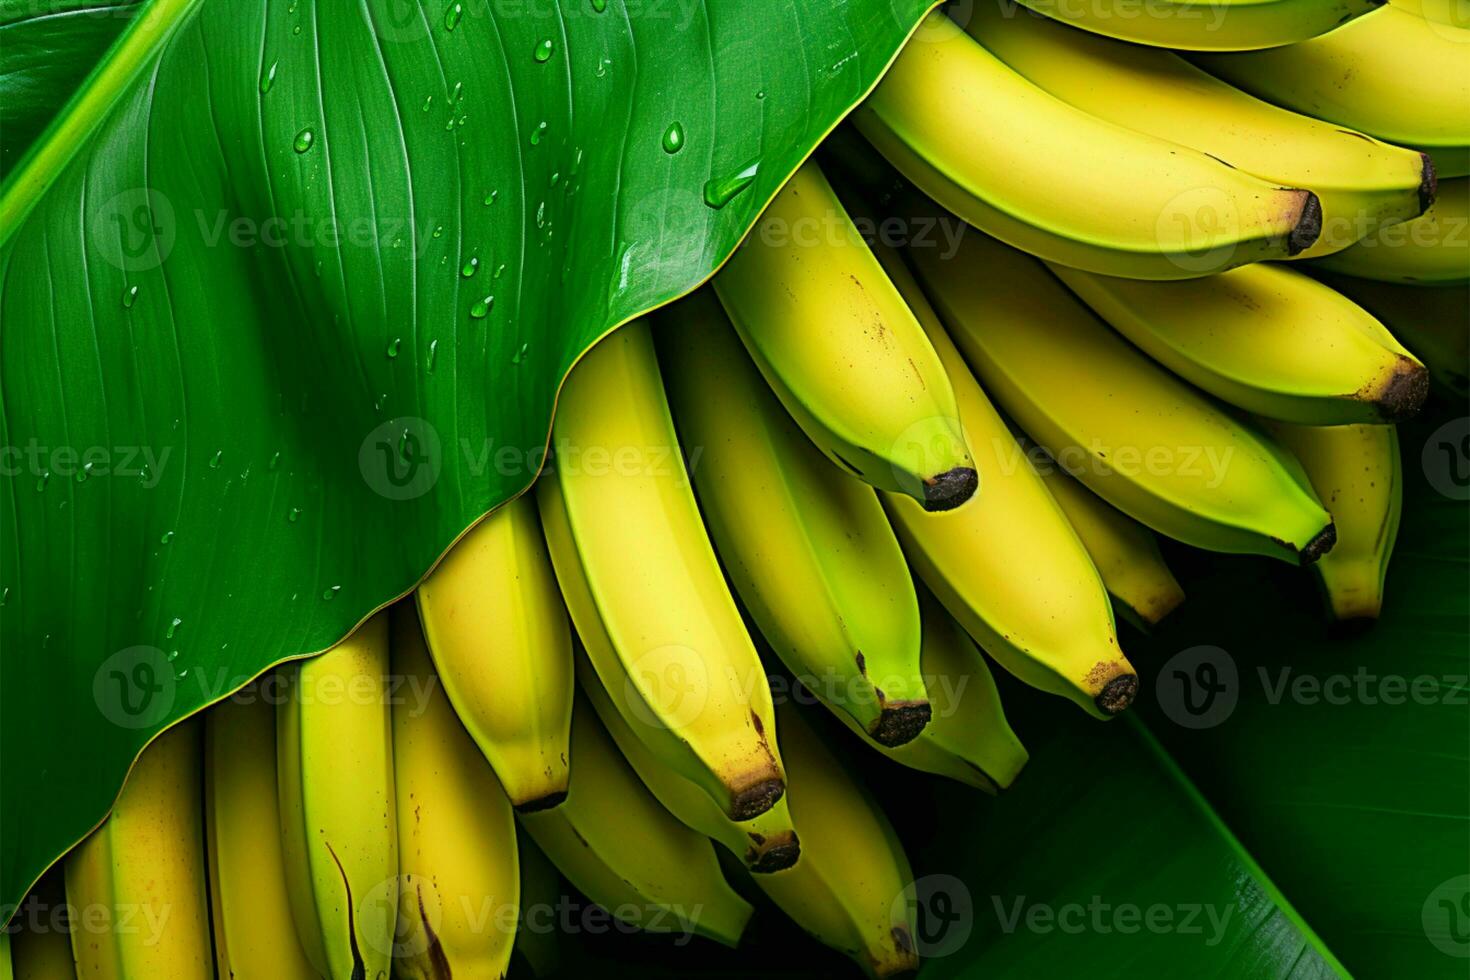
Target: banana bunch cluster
column 860, row 458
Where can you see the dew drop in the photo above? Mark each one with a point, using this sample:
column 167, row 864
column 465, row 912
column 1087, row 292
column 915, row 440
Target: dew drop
column 275, row 461
column 394, row 346
column 130, row 296
column 173, row 628
column 296, row 30
column 599, row 5
column 543, row 51
column 84, row 472
column 428, row 103
column 269, row 78
column 520, row 355
column 293, row 514
column 42, row 480
column 499, row 270
column 456, row 93
column 482, row 308
column 674, row 138
column 438, row 231
column 167, row 537
column 490, row 198
column 4, row 595
column 215, row 461
column 304, row 141
column 452, row 16
column 471, row 266
column 720, row 191
column 433, row 353
column 541, row 215
column 538, row 133
column 332, row 592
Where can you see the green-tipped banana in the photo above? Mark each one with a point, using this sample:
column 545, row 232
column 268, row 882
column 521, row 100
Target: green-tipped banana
column 1360, row 182
column 1357, row 472
column 622, row 849
column 807, row 547
column 498, row 632
column 254, row 936
column 1433, row 250
column 622, row 525
column 839, row 348
column 1133, row 433
column 140, row 877
column 766, row 844
column 460, row 883
column 1046, row 619
column 1204, row 25
column 1267, row 339
column 334, row 773
column 40, row 949
column 1389, row 74
column 1021, row 164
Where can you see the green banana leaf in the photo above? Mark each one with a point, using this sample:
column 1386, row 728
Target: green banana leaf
column 288, row 290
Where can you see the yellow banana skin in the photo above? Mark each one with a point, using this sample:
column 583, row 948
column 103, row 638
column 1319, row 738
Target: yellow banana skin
column 459, row 888
column 334, row 774
column 807, row 547
column 1433, row 250
column 627, row 532
column 1390, row 74
column 498, row 632
column 40, row 948
column 1026, row 167
column 144, row 869
column 254, row 936
column 1357, row 471
column 1134, row 434
column 1360, row 182
column 1213, row 25
column 1051, row 624
column 1430, row 322
column 841, row 351
column 1267, row 339
column 1452, row 13
column 622, row 849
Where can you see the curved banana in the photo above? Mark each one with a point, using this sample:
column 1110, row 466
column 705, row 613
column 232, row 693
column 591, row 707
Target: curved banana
column 620, row 516
column 1389, row 74
column 766, row 844
column 1451, row 13
column 498, row 632
column 1265, row 338
column 841, row 351
column 1133, row 433
column 622, row 849
column 1206, row 25
column 334, row 774
column 848, row 889
column 1357, row 472
column 1026, row 167
column 538, row 942
column 1047, row 621
column 459, row 884
column 1433, row 250
column 806, row 546
column 1360, row 182
column 43, row 952
column 143, row 872
column 254, row 936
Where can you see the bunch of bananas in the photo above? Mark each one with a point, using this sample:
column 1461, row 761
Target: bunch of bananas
column 863, row 458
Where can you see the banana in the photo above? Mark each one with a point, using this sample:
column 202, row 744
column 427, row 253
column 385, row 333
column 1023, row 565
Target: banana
column 1433, row 250
column 1267, row 339
column 334, row 774
column 1360, row 182
column 622, row 849
column 1357, row 472
column 1430, row 322
column 841, row 351
column 40, row 946
column 1047, row 620
column 766, row 844
column 1125, row 552
column 498, row 632
column 808, row 548
column 1453, row 13
column 1389, row 74
column 848, row 889
column 254, row 937
column 537, row 942
column 459, row 884
column 1021, row 164
column 7, row 971
column 145, row 866
column 1211, row 25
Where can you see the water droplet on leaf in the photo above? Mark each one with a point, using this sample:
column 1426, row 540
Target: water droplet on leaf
column 674, row 138
column 304, row 141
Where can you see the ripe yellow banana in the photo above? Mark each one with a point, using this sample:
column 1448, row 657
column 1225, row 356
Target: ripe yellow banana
column 538, row 939
column 766, row 844
column 1360, row 182
column 1433, row 250
column 1453, row 13
column 40, row 948
column 1021, row 164
column 1133, row 433
column 1205, row 25
column 142, row 872
column 847, row 890
column 622, row 849
column 807, row 547
column 459, row 888
column 1048, row 620
column 1357, row 472
column 498, row 632
column 1267, row 339
column 1389, row 74
column 841, row 351
column 254, row 937
column 625, row 533
column 334, row 773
